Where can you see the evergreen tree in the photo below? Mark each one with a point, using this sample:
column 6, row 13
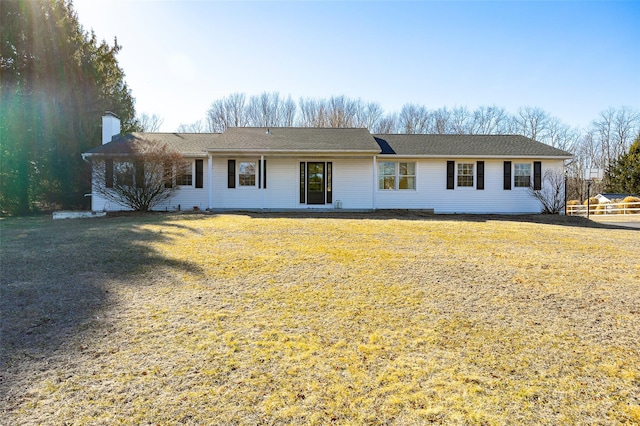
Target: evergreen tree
column 56, row 80
column 623, row 175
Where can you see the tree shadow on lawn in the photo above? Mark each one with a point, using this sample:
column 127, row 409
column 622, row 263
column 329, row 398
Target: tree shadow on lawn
column 421, row 215
column 56, row 277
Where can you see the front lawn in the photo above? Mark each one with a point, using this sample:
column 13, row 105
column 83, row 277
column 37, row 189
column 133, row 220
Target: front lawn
column 343, row 319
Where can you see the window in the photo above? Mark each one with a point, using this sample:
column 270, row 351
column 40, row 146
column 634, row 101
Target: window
column 465, row 174
column 387, row 175
column 185, row 176
column 247, row 173
column 396, row 175
column 522, row 175
column 124, row 172
column 407, row 175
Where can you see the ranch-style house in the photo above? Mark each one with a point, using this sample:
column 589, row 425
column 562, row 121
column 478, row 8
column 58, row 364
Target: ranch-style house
column 296, row 168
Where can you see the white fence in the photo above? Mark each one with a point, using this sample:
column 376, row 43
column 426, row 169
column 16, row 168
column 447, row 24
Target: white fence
column 604, row 209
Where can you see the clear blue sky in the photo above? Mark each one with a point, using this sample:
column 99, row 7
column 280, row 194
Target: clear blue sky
column 572, row 59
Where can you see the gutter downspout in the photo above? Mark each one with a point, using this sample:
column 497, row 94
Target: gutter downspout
column 210, row 180
column 84, row 158
column 374, row 182
column 262, row 172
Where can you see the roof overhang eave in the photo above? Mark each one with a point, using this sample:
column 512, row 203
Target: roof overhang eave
column 85, row 155
column 501, row 157
column 290, row 152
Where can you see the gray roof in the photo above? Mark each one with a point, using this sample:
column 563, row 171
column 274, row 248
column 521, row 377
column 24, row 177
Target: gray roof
column 295, row 139
column 189, row 144
column 466, row 146
column 330, row 140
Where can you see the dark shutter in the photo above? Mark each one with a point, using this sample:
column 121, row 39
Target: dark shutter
column 139, row 170
column 108, row 173
column 302, row 188
column 537, row 175
column 480, row 177
column 264, row 173
column 450, row 174
column 259, row 174
column 329, row 183
column 507, row 175
column 231, row 174
column 168, row 174
column 199, row 173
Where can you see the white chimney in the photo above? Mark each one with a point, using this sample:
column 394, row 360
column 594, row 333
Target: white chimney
column 110, row 126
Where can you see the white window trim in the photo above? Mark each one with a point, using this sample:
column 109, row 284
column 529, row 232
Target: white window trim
column 247, row 160
column 397, row 176
column 513, row 177
column 193, row 176
column 473, row 174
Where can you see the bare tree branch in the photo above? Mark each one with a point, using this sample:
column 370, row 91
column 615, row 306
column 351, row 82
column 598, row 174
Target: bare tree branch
column 137, row 173
column 150, row 123
column 195, row 127
column 551, row 196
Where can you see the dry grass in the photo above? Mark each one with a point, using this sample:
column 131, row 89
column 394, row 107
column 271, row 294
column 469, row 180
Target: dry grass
column 236, row 319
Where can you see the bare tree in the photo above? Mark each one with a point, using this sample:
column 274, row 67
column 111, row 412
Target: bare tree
column 601, row 132
column 313, row 113
column 264, row 110
column 531, row 122
column 150, row 123
column 489, row 120
column 270, row 110
column 551, row 195
column 227, row 112
column 367, row 115
column 612, row 132
column 587, row 155
column 441, row 121
column 195, row 127
column 413, row 119
column 137, row 173
column 386, row 125
column 342, row 111
column 626, row 126
column 460, row 121
column 561, row 135
column 236, row 112
column 288, row 112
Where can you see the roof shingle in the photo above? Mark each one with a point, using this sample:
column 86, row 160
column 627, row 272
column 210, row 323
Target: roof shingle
column 466, row 146
column 327, row 140
column 296, row 139
column 189, row 144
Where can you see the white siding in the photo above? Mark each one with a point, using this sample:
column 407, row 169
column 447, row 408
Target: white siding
column 352, row 184
column 431, row 192
column 186, row 198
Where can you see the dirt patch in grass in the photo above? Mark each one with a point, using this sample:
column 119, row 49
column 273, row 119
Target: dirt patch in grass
column 397, row 318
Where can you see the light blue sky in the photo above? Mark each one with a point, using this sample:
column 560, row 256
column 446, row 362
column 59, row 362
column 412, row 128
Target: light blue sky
column 573, row 59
